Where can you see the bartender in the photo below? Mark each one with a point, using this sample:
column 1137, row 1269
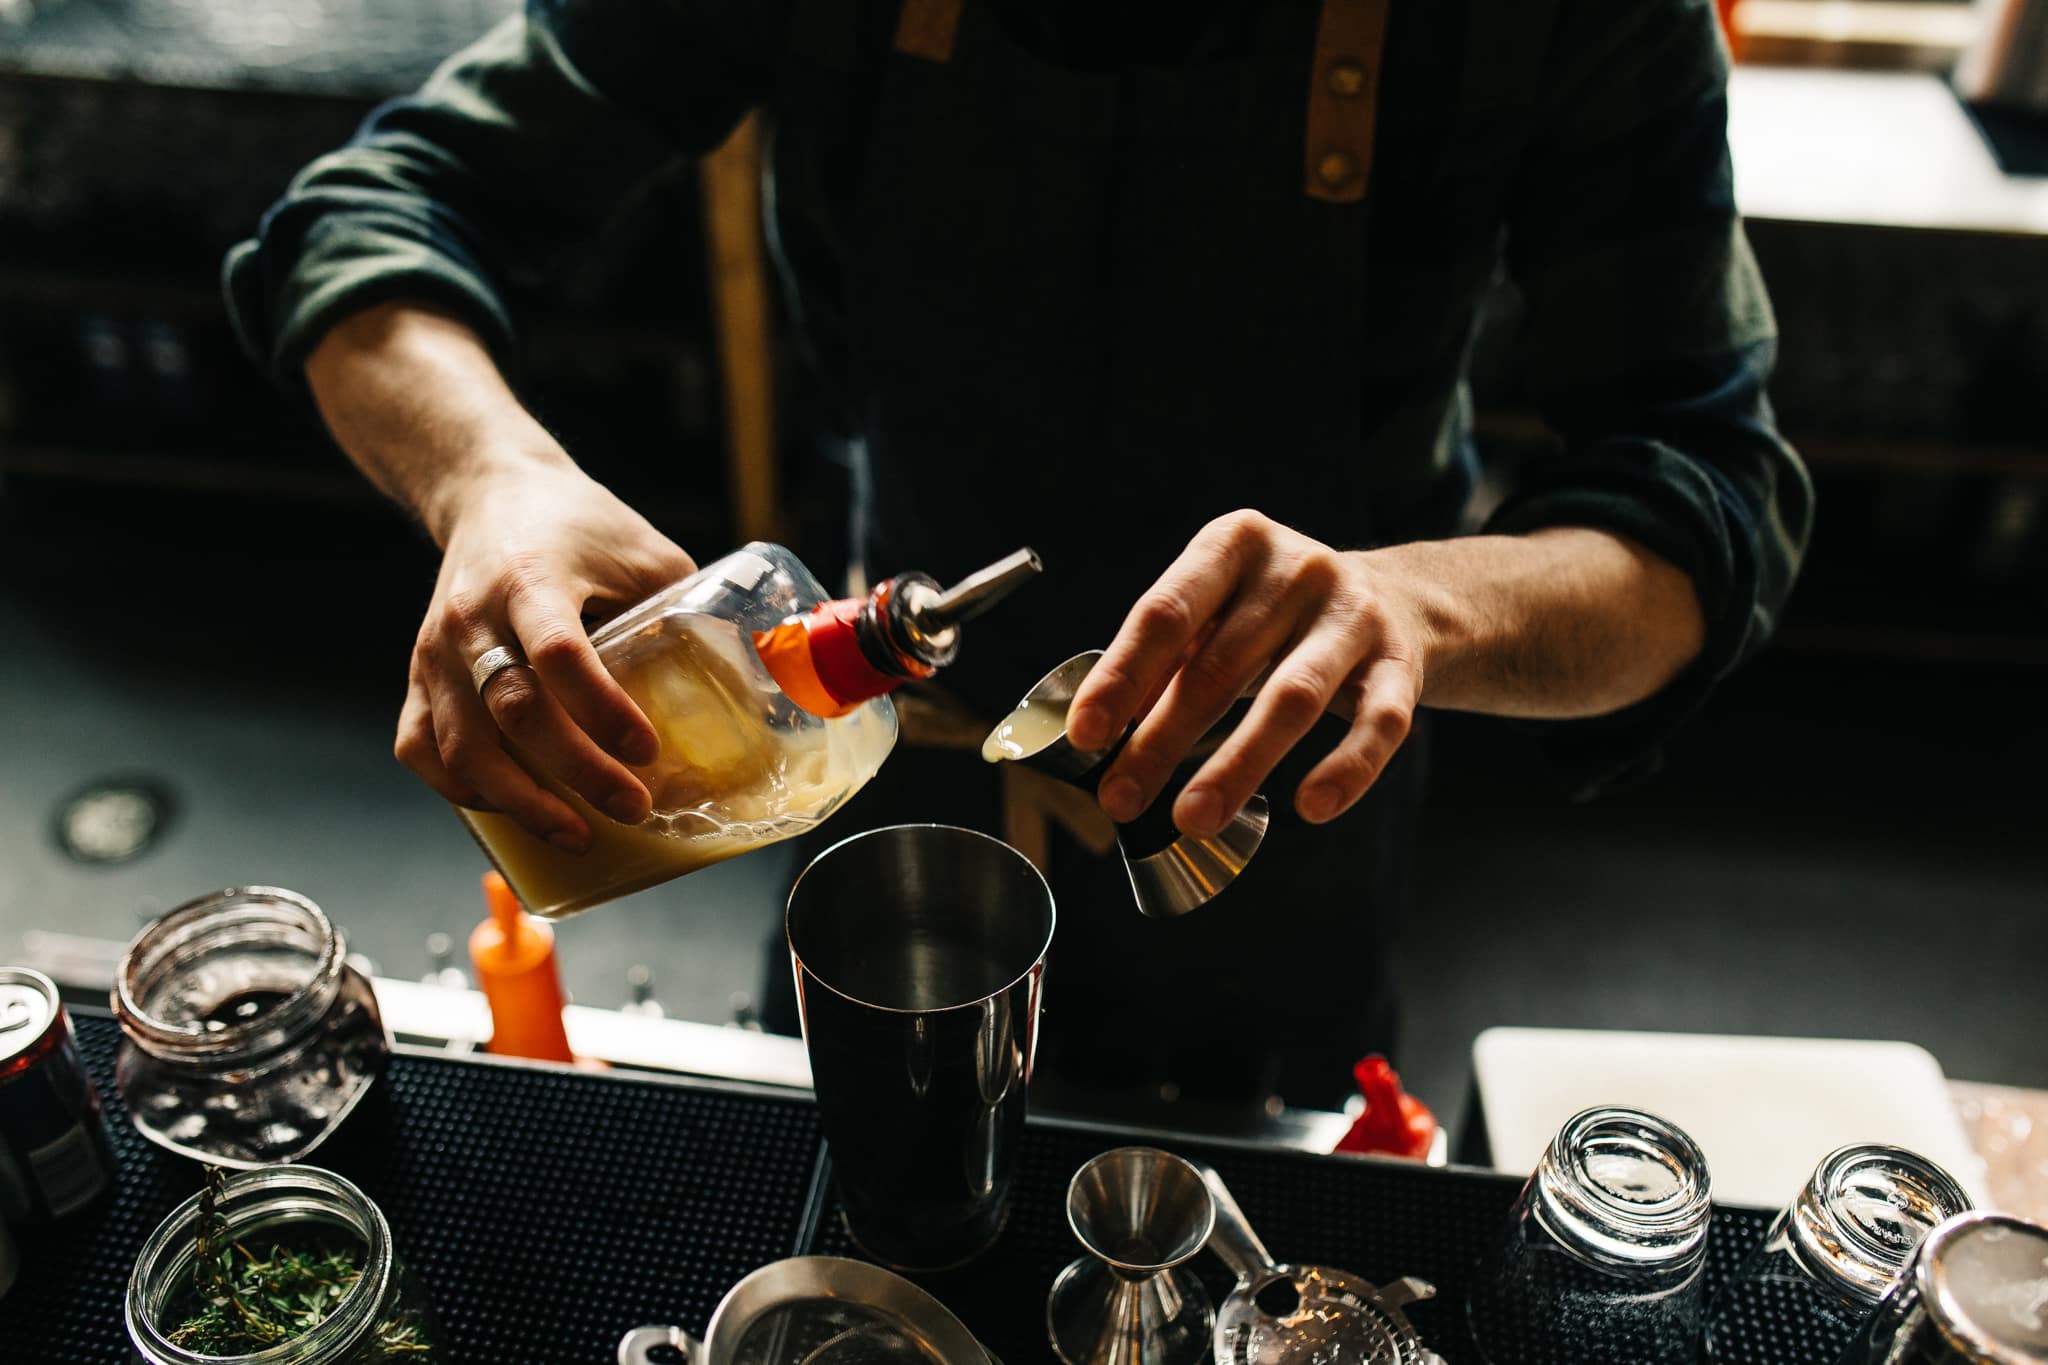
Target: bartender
column 1181, row 293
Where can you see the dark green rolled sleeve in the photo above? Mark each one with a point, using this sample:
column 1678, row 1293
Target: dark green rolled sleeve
column 516, row 148
column 1651, row 340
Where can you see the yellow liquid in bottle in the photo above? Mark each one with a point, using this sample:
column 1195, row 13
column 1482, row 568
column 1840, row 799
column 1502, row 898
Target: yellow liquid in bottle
column 732, row 774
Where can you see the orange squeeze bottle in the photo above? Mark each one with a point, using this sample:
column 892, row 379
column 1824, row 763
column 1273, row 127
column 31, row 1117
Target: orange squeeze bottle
column 514, row 955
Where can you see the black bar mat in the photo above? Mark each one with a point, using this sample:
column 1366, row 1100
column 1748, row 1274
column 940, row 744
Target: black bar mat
column 548, row 1212
column 1379, row 1219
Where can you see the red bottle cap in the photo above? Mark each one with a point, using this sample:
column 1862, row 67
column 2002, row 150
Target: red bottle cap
column 836, row 653
column 1394, row 1123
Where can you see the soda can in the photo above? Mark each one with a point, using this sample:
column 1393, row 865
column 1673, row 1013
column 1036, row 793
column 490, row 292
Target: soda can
column 53, row 1149
column 1977, row 1294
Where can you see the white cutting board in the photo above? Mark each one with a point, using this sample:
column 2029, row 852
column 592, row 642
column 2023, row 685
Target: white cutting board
column 1764, row 1110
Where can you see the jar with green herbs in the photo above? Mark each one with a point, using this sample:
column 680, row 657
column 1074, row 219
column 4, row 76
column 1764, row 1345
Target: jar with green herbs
column 290, row 1265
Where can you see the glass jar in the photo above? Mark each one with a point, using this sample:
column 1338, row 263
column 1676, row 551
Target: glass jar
column 246, row 1036
column 1604, row 1252
column 383, row 1317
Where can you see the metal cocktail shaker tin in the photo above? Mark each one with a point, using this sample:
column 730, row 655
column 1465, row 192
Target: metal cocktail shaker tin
column 919, row 953
column 1977, row 1294
column 53, row 1152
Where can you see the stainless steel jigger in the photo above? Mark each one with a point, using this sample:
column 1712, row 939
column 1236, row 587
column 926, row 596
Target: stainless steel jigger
column 1188, row 871
column 1139, row 1213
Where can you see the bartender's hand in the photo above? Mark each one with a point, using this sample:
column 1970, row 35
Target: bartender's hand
column 529, row 544
column 1250, row 598
column 1563, row 622
column 525, row 560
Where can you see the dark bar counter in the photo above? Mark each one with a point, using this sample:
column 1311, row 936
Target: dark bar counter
column 550, row 1209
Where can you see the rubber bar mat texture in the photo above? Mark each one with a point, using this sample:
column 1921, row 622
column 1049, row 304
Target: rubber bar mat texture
column 548, row 1212
column 1379, row 1219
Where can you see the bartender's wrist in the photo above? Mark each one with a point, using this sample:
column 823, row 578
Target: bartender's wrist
column 1421, row 600
column 478, row 462
column 1554, row 623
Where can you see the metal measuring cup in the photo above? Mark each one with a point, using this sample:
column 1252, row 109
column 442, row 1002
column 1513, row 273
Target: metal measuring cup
column 1183, row 871
column 1140, row 1214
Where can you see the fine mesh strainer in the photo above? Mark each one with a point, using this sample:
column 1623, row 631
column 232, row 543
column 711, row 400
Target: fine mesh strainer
column 1306, row 1315
column 815, row 1310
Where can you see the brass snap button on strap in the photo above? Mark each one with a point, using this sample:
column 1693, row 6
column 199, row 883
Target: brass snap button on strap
column 1336, row 170
column 1342, row 99
column 928, row 29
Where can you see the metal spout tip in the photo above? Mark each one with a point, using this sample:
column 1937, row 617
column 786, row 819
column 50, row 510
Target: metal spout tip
column 979, row 591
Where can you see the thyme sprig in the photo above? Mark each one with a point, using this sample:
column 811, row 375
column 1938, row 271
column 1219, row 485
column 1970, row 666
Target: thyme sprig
column 244, row 1302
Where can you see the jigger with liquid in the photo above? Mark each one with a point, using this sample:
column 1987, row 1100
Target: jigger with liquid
column 1171, row 873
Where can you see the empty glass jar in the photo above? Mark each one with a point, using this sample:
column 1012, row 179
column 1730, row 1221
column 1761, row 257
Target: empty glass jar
column 1604, row 1251
column 247, row 1037
column 379, row 1319
column 1830, row 1257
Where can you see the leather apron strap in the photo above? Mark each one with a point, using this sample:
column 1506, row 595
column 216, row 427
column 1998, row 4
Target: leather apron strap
column 928, row 29
column 1343, row 99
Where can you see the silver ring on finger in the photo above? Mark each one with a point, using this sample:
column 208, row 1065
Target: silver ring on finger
column 491, row 663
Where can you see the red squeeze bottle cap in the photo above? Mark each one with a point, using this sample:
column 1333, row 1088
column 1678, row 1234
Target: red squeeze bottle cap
column 1394, row 1123
column 514, row 955
column 843, row 666
column 846, row 652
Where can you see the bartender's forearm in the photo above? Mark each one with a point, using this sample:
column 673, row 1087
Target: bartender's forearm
column 1554, row 624
column 413, row 397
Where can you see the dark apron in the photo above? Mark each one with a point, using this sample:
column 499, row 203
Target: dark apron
column 1090, row 311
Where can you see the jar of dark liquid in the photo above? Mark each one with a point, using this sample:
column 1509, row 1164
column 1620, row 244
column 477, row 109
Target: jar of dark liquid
column 247, row 1037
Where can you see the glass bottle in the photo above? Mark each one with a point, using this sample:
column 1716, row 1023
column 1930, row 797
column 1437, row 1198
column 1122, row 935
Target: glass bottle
column 1604, row 1252
column 772, row 706
column 382, row 1318
column 1830, row 1256
column 246, row 1036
